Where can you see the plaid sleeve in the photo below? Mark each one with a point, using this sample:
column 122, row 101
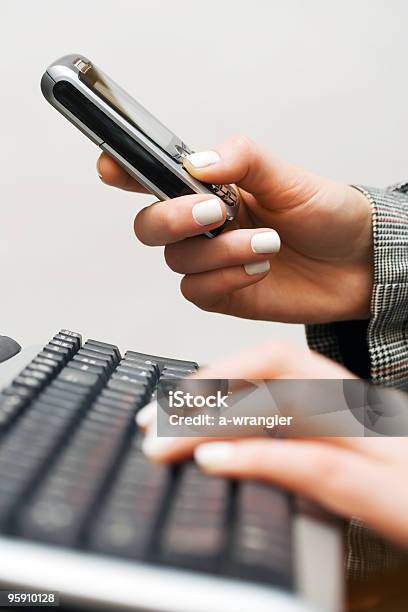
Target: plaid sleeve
column 387, row 334
column 387, row 343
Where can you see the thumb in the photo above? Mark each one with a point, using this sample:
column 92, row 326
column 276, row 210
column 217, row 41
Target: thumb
column 239, row 160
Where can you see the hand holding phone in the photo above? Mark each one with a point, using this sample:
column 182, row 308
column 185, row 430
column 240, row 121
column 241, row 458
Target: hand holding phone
column 123, row 128
column 323, row 272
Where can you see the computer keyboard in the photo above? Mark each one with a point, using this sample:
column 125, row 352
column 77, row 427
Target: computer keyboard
column 72, row 473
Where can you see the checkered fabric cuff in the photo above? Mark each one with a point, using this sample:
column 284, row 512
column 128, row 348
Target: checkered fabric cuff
column 387, row 331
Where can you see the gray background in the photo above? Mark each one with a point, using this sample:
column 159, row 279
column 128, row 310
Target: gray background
column 320, row 83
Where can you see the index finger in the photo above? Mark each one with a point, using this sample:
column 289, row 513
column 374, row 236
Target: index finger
column 112, row 174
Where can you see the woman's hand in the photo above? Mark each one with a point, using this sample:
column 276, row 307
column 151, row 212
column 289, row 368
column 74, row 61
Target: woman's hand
column 323, row 271
column 363, row 477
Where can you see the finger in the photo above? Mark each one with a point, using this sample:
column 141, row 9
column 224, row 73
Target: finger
column 229, row 249
column 111, row 173
column 169, row 450
column 166, row 449
column 173, row 220
column 212, row 290
column 239, row 160
column 343, row 482
column 146, row 416
column 377, row 448
column 275, row 360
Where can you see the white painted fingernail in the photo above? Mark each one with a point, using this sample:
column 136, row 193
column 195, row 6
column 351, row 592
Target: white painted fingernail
column 203, row 159
column 266, row 242
column 259, row 267
column 207, row 212
column 155, row 447
column 214, row 453
column 98, row 162
column 146, row 415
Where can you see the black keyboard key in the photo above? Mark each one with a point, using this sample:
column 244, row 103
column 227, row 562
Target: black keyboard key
column 62, row 391
column 52, row 355
column 29, row 382
column 41, row 367
column 113, row 404
column 138, row 363
column 69, row 346
column 136, row 400
column 165, row 375
column 137, row 369
column 104, row 346
column 10, row 407
column 46, row 361
column 25, row 393
column 87, row 367
column 35, row 373
column 138, row 380
column 262, row 539
column 97, row 358
column 195, row 531
column 107, row 408
column 160, row 362
column 51, row 350
column 73, row 343
column 98, row 363
column 62, row 385
column 72, row 337
column 181, row 372
column 144, row 378
column 128, row 387
column 144, row 358
column 79, row 378
column 61, row 400
column 103, row 351
column 72, row 334
column 134, row 373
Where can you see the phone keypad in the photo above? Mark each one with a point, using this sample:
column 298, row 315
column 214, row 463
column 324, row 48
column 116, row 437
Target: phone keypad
column 228, row 194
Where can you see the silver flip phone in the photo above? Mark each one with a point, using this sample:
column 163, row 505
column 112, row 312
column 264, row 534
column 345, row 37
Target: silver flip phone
column 119, row 125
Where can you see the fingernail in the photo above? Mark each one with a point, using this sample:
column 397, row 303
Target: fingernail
column 214, row 454
column 98, row 169
column 259, row 267
column 207, row 212
column 154, row 447
column 203, row 159
column 146, row 415
column 266, row 242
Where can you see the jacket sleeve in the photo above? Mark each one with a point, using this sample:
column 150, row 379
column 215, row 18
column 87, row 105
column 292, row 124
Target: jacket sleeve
column 376, row 349
column 385, row 335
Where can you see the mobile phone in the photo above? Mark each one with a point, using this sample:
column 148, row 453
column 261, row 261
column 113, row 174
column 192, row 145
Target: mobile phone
column 124, row 129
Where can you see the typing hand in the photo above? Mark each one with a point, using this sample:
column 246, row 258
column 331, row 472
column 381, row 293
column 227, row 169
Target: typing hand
column 323, row 271
column 363, row 477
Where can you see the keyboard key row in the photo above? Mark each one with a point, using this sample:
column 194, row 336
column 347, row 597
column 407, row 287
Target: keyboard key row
column 93, row 453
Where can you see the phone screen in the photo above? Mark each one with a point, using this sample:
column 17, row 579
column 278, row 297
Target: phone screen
column 131, row 110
